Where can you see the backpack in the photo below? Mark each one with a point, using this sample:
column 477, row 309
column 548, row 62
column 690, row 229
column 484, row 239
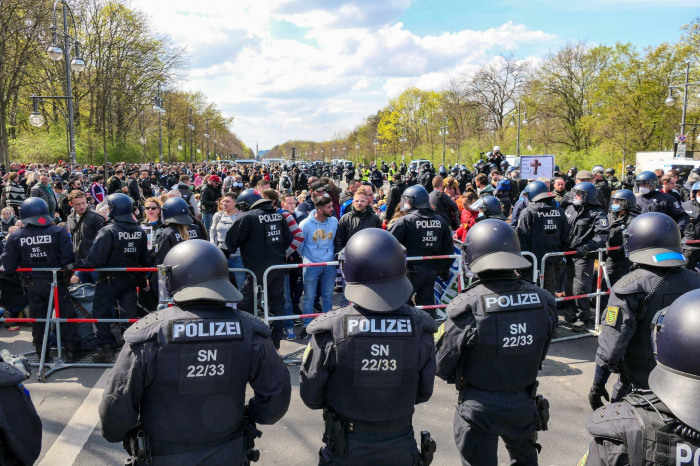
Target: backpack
column 285, row 183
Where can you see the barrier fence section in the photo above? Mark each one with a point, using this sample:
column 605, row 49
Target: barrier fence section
column 53, row 316
column 290, row 357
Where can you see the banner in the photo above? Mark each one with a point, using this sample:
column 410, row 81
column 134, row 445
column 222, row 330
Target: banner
column 445, row 292
column 535, row 166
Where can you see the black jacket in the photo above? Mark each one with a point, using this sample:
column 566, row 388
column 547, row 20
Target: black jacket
column 83, row 231
column 352, row 222
column 114, row 185
column 445, row 207
column 208, row 199
column 588, row 226
column 393, row 198
column 134, row 192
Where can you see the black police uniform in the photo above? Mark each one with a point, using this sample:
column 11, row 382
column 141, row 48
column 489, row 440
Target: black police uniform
column 424, row 233
column 624, row 344
column 640, row 429
column 589, row 228
column 543, row 228
column 604, row 187
column 42, row 247
column 20, row 425
column 494, row 341
column 656, row 201
column 263, row 236
column 692, row 232
column 617, row 263
column 170, row 236
column 369, row 369
column 120, row 245
column 182, row 374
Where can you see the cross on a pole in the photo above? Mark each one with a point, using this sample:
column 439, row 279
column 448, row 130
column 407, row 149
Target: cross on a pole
column 535, row 165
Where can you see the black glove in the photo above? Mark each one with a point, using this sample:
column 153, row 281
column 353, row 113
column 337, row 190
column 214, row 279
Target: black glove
column 444, row 274
column 581, row 252
column 68, row 268
column 596, row 394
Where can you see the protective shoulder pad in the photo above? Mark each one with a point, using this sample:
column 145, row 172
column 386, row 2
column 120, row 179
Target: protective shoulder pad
column 614, row 421
column 422, row 317
column 630, row 283
column 145, row 329
column 323, row 323
column 461, row 302
column 259, row 325
column 10, row 375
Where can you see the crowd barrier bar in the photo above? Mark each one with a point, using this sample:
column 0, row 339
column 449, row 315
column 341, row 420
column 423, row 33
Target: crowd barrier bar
column 57, row 363
column 467, row 271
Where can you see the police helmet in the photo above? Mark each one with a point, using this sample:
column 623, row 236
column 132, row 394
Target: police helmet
column 598, row 170
column 695, row 188
column 646, row 179
column 622, row 199
column 493, row 245
column 462, row 167
column 415, row 197
column 490, row 206
column 538, row 191
column 198, row 271
column 379, row 289
column 35, row 211
column 121, row 208
column 246, row 199
column 496, row 149
column 455, row 170
column 476, row 166
column 510, row 169
column 493, row 167
column 504, row 164
column 442, row 170
column 587, row 193
column 654, row 239
column 610, row 171
column 176, row 210
column 630, row 168
column 676, row 340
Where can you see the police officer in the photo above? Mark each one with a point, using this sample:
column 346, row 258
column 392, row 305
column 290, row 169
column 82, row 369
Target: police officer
column 660, row 426
column 543, row 228
column 120, row 243
column 181, row 376
column 612, row 179
column 653, row 243
column 20, row 425
column 588, row 231
column 263, row 236
column 602, row 184
column 496, row 336
column 622, row 210
column 649, row 199
column 423, row 233
column 692, row 231
column 488, row 207
column 41, row 244
column 178, row 227
column 628, row 180
column 425, row 178
column 369, row 363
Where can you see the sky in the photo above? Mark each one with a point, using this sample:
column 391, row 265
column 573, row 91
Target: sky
column 312, row 69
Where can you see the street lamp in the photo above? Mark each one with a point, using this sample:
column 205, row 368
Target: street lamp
column 158, row 106
column 77, row 64
column 402, row 139
column 206, row 135
column 37, row 120
column 190, row 125
column 670, row 101
column 443, row 133
column 520, row 123
column 357, row 146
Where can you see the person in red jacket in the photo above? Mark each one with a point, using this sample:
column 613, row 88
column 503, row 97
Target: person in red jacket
column 468, row 216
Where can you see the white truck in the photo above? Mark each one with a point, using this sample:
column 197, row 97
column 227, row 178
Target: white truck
column 650, row 161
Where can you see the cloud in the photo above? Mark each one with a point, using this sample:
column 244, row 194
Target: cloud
column 307, row 69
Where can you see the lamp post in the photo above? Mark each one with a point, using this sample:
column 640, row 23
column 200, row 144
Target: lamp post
column 206, row 135
column 159, row 106
column 357, row 146
column 520, row 123
column 670, row 101
column 76, row 64
column 36, row 119
column 190, row 125
column 403, row 139
column 443, row 133
column 216, row 156
column 376, row 143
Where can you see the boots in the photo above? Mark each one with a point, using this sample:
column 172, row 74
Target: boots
column 105, row 354
column 71, row 352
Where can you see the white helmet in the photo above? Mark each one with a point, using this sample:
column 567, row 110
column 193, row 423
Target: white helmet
column 496, row 149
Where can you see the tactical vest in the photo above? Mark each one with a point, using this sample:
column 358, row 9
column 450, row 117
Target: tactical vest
column 640, row 353
column 39, row 246
column 512, row 325
column 424, row 233
column 378, row 362
column 127, row 246
column 197, row 395
column 661, row 446
column 186, row 194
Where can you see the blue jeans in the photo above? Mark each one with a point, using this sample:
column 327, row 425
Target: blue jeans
column 287, row 304
column 313, row 275
column 237, row 263
column 206, row 220
column 87, row 277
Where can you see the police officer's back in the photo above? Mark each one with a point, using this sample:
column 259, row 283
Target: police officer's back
column 41, row 244
column 660, row 426
column 649, row 199
column 121, row 243
column 622, row 210
column 423, row 233
column 178, row 227
column 654, row 245
column 494, row 341
column 369, row 363
column 183, row 371
column 542, row 228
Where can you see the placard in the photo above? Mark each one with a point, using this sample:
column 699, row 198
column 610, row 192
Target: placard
column 535, row 166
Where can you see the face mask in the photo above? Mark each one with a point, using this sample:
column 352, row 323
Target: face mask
column 481, row 214
column 697, row 198
column 643, row 190
column 615, row 207
column 578, row 202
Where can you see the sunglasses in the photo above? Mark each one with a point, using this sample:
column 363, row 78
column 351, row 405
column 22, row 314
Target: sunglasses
column 151, row 208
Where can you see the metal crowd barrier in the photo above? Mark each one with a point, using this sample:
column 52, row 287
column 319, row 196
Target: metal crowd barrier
column 55, row 318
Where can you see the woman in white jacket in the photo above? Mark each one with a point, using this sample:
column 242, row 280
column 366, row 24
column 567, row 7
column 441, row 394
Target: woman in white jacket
column 220, row 225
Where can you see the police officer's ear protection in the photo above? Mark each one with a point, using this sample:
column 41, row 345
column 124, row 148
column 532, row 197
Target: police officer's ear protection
column 164, row 274
column 656, row 325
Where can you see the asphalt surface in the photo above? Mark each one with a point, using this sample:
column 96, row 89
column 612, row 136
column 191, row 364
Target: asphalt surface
column 295, row 440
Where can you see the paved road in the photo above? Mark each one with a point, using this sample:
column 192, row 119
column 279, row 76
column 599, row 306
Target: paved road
column 68, row 402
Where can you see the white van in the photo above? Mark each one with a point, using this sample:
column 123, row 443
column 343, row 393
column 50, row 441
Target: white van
column 416, row 164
